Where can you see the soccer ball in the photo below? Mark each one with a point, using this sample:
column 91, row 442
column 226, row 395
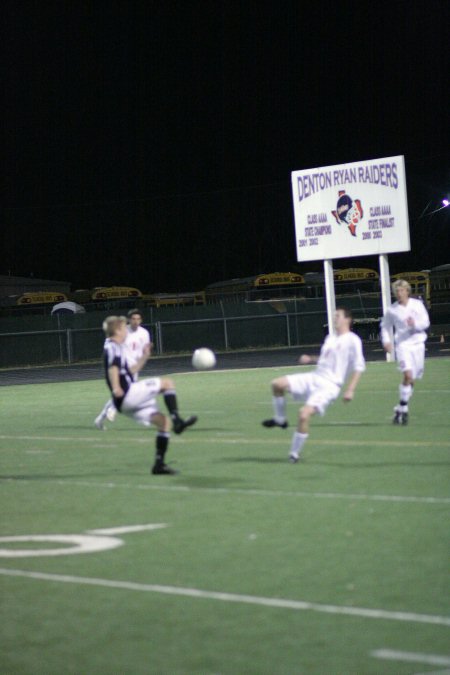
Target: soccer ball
column 203, row 359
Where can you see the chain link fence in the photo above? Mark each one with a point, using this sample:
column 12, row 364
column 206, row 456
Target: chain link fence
column 73, row 345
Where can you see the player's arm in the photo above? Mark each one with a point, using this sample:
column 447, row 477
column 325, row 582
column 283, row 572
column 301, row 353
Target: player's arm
column 114, row 378
column 150, row 344
column 351, row 386
column 140, row 363
column 421, row 322
column 359, row 366
column 306, row 359
column 386, row 332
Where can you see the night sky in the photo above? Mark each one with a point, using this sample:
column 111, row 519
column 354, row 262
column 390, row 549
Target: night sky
column 151, row 143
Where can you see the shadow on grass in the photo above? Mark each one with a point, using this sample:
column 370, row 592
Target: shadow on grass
column 351, row 424
column 215, row 482
column 267, row 460
column 111, row 476
column 374, row 465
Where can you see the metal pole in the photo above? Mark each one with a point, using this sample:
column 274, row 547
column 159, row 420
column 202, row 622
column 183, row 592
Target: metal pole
column 225, row 331
column 385, row 292
column 159, row 334
column 288, row 328
column 60, row 340
column 69, row 346
column 330, row 295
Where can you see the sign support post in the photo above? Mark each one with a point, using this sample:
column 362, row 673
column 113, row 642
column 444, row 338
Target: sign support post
column 330, row 295
column 385, row 291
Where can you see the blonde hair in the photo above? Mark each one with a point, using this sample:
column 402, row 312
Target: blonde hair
column 112, row 323
column 401, row 283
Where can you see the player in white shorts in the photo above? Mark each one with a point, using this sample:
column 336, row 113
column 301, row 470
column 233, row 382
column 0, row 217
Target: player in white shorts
column 138, row 399
column 137, row 342
column 341, row 357
column 409, row 319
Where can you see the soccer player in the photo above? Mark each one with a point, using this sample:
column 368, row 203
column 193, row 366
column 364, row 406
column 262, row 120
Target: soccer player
column 135, row 343
column 409, row 318
column 137, row 337
column 341, row 357
column 138, row 399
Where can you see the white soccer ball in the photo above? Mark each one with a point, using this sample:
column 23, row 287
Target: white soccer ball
column 203, row 359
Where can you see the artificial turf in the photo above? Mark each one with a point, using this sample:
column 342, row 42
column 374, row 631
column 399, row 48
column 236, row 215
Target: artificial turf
column 361, row 523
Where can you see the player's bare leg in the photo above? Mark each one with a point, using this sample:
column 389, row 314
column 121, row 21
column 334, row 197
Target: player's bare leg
column 163, row 425
column 170, row 399
column 299, row 437
column 401, row 411
column 279, row 387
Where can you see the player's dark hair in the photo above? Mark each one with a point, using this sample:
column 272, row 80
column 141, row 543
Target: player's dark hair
column 347, row 313
column 134, row 311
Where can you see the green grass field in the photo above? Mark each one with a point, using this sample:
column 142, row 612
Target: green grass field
column 360, row 525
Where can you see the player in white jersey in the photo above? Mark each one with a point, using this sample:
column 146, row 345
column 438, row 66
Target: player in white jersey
column 138, row 399
column 409, row 319
column 137, row 343
column 341, row 358
column 137, row 337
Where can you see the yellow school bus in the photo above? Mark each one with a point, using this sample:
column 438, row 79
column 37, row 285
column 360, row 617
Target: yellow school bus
column 258, row 287
column 41, row 298
column 115, row 293
column 175, row 299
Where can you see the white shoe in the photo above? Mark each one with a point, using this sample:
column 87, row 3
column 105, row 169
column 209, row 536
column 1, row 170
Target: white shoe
column 98, row 422
column 293, row 458
column 111, row 413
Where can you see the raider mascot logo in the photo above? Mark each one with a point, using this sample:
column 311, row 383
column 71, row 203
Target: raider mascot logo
column 348, row 211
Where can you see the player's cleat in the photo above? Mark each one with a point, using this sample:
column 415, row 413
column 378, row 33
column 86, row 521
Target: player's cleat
column 273, row 423
column 179, row 425
column 293, row 458
column 398, row 415
column 99, row 422
column 163, row 470
column 397, row 419
column 111, row 413
column 404, row 418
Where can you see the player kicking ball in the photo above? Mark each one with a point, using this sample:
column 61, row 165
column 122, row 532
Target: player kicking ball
column 341, row 357
column 138, row 399
column 136, row 341
column 409, row 319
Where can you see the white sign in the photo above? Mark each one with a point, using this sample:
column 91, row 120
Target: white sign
column 350, row 210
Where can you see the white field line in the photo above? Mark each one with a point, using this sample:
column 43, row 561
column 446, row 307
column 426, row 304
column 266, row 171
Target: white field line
column 412, row 657
column 395, row 395
column 292, row 366
column 243, row 441
column 125, row 529
column 327, row 441
column 247, row 492
column 279, row 603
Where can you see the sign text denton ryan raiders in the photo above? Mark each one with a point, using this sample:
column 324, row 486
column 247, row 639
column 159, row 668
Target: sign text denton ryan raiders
column 377, row 174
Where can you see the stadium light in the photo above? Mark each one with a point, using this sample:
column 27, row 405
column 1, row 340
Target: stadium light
column 445, row 202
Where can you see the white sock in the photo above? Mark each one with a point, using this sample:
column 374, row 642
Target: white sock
column 106, row 408
column 298, row 441
column 405, row 393
column 279, row 408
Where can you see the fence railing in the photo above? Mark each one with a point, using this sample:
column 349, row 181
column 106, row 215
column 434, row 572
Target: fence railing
column 72, row 345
